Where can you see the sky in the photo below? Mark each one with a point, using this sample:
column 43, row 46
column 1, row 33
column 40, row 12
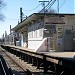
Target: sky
column 12, row 11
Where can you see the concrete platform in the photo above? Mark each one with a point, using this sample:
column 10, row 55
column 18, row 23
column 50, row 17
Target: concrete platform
column 60, row 54
column 55, row 54
column 23, row 48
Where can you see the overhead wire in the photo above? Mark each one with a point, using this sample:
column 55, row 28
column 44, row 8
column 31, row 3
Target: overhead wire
column 50, row 3
column 47, row 5
column 11, row 19
column 62, row 4
column 33, row 8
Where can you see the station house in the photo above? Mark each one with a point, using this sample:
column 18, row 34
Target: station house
column 47, row 32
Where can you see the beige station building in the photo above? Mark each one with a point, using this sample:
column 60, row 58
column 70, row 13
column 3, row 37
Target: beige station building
column 47, row 32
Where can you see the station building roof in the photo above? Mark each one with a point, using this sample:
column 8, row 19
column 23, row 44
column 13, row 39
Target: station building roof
column 23, row 26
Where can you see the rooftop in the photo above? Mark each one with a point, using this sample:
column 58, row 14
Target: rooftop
column 23, row 25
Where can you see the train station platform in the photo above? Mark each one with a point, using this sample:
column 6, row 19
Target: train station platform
column 22, row 48
column 60, row 54
column 55, row 62
column 55, row 54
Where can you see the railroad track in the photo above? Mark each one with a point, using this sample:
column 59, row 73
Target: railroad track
column 13, row 62
column 19, row 66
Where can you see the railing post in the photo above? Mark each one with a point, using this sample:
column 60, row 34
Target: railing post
column 38, row 63
column 25, row 57
column 29, row 59
column 45, row 64
column 34, row 62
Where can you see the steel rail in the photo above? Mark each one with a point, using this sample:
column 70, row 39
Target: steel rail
column 4, row 72
column 16, row 60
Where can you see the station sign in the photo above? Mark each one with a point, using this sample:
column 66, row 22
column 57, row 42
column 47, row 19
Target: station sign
column 54, row 20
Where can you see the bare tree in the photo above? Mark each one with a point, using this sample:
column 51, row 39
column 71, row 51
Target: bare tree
column 2, row 5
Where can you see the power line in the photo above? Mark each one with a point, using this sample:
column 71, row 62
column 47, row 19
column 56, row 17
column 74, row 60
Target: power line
column 44, row 4
column 62, row 4
column 50, row 3
column 58, row 6
column 33, row 8
column 11, row 19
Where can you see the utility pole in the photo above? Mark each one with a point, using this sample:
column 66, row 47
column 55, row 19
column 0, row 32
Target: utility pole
column 44, row 4
column 21, row 14
column 58, row 6
column 10, row 29
column 44, row 20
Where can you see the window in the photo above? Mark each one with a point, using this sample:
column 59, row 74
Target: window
column 68, row 31
column 29, row 35
column 49, row 26
column 59, row 34
column 60, row 29
column 35, row 33
column 30, row 31
column 40, row 32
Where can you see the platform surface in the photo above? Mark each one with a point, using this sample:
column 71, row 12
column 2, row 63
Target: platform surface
column 55, row 54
